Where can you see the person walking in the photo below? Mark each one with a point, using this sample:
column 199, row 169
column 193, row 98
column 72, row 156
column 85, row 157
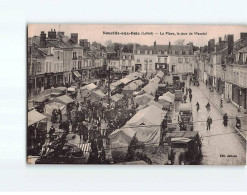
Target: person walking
column 190, row 91
column 209, row 123
column 225, row 119
column 185, row 98
column 197, row 106
column 190, row 96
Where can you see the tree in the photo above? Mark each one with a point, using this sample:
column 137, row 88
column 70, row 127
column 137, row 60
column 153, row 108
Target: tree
column 108, row 44
column 179, row 42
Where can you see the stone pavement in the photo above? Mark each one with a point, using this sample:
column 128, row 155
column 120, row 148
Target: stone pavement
column 229, row 108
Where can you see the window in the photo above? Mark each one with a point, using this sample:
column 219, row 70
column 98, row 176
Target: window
column 176, row 52
column 159, row 60
column 39, row 67
column 162, row 52
column 79, row 64
column 46, row 67
column 150, row 60
column 165, row 60
column 187, row 60
column 150, row 52
column 180, row 60
column 138, row 60
column 58, row 53
column 74, row 55
column 124, row 57
column 183, row 53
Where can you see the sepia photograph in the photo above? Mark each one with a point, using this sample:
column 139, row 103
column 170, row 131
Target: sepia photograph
column 136, row 94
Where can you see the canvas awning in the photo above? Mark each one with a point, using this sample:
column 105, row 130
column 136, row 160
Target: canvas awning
column 166, row 98
column 98, row 93
column 115, row 84
column 34, row 117
column 77, row 74
column 61, row 88
column 138, row 82
column 117, row 97
column 41, row 99
column 131, row 86
column 64, row 99
column 89, row 87
column 125, row 80
column 143, row 99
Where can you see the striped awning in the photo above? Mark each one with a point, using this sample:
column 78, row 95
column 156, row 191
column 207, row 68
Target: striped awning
column 77, row 74
column 86, row 147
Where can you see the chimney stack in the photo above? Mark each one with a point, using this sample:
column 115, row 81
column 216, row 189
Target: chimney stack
column 74, row 37
column 230, row 43
column 211, row 44
column 52, row 34
column 154, row 44
column 42, row 39
column 243, row 35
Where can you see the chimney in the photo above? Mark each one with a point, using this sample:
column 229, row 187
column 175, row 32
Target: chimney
column 230, row 42
column 74, row 37
column 154, row 44
column 42, row 39
column 52, row 34
column 220, row 39
column 211, row 44
column 169, row 47
column 243, row 35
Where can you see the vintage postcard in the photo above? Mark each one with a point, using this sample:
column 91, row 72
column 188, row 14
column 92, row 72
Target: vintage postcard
column 136, row 94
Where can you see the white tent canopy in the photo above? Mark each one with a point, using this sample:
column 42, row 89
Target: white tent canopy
column 89, row 87
column 146, row 124
column 143, row 99
column 34, row 117
column 125, row 80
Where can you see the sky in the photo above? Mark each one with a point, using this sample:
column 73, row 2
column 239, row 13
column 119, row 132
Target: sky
column 142, row 34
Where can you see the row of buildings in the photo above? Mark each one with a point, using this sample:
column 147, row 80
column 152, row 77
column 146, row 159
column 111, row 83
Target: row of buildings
column 224, row 66
column 172, row 58
column 56, row 59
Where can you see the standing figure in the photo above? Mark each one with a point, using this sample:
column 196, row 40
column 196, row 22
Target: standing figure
column 225, row 120
column 209, row 123
column 190, row 96
column 185, row 98
column 197, row 106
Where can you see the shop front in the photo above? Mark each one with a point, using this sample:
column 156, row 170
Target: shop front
column 76, row 76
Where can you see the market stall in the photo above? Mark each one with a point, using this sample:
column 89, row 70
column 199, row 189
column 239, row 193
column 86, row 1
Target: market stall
column 61, row 102
column 97, row 95
column 86, row 90
column 117, row 99
column 129, row 89
column 143, row 99
column 146, row 123
column 119, row 141
column 36, row 131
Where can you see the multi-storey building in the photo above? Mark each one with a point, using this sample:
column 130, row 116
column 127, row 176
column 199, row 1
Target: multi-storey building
column 171, row 58
column 127, row 62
